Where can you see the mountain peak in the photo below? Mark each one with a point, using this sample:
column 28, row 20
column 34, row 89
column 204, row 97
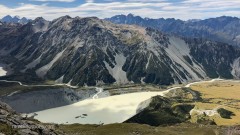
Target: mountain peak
column 39, row 19
column 218, row 29
column 15, row 19
column 65, row 17
column 193, row 20
column 39, row 24
column 7, row 16
column 130, row 15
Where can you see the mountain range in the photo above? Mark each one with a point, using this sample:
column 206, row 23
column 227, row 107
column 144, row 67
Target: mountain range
column 15, row 19
column 223, row 29
column 91, row 51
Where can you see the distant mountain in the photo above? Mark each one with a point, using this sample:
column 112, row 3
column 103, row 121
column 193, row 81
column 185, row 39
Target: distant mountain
column 91, row 51
column 15, row 19
column 223, row 29
column 7, row 18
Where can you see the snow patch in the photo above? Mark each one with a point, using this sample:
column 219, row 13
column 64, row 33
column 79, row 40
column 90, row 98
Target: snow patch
column 59, row 80
column 177, row 75
column 34, row 63
column 152, row 46
column 69, row 83
column 77, row 43
column 39, row 27
column 149, row 58
column 237, row 38
column 41, row 72
column 176, row 50
column 2, row 71
column 142, row 78
column 117, row 73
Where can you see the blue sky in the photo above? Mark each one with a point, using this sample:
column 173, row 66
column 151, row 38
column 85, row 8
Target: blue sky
column 179, row 9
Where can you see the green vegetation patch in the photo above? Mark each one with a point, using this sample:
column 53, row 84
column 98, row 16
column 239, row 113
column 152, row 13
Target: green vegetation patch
column 5, row 129
column 204, row 119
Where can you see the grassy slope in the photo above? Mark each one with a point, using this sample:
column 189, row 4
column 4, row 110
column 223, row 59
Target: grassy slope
column 220, row 94
column 138, row 129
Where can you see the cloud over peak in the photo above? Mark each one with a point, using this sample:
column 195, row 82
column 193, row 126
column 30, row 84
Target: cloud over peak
column 179, row 9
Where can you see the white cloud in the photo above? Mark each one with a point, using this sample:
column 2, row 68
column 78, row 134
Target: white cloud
column 54, row 0
column 146, row 0
column 89, row 1
column 187, row 9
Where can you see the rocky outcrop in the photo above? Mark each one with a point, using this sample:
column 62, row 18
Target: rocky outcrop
column 13, row 123
column 162, row 111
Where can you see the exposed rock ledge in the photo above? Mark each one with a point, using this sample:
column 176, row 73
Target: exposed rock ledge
column 12, row 123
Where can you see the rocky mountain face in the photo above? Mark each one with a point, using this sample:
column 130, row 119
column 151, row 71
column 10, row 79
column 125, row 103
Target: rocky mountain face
column 11, row 123
column 90, row 51
column 38, row 100
column 162, row 111
column 15, row 19
column 224, row 29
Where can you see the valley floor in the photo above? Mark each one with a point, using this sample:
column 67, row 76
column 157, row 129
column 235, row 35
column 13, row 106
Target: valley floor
column 117, row 109
column 138, row 129
column 121, row 103
column 220, row 94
